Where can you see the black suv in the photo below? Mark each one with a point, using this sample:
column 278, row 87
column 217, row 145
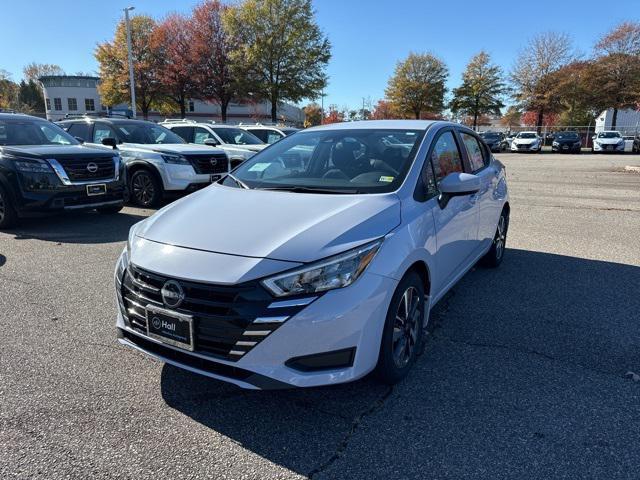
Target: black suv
column 43, row 169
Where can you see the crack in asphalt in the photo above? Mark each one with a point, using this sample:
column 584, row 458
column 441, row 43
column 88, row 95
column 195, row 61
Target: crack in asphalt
column 528, row 352
column 355, row 423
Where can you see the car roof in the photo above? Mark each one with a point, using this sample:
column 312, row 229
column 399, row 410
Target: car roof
column 18, row 116
column 382, row 125
column 113, row 121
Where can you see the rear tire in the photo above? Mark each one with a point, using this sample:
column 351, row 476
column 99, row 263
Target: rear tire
column 8, row 216
column 145, row 190
column 110, row 210
column 403, row 330
column 493, row 258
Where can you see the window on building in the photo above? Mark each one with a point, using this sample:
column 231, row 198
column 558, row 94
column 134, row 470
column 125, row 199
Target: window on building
column 57, row 104
column 73, row 104
column 192, row 107
column 48, row 102
column 89, row 104
column 104, row 108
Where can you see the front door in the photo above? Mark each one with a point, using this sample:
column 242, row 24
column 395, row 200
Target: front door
column 456, row 224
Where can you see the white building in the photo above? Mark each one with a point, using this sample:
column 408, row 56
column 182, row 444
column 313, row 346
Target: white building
column 70, row 95
column 77, row 95
column 627, row 121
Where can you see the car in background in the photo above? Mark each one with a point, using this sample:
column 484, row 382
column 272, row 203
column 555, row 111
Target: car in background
column 158, row 161
column 45, row 170
column 526, row 142
column 509, row 138
column 239, row 144
column 608, row 141
column 496, row 141
column 569, row 142
column 629, row 142
column 268, row 133
column 319, row 272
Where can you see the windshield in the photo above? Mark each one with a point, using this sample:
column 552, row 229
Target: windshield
column 527, row 135
column 567, row 136
column 609, row 135
column 237, row 136
column 33, row 132
column 334, row 161
column 146, row 133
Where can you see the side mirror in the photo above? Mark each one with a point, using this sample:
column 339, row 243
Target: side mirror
column 457, row 185
column 81, row 140
column 593, row 137
column 211, row 142
column 110, row 142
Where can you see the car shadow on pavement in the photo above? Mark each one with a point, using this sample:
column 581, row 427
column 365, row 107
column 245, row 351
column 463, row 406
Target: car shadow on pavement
column 524, row 376
column 77, row 227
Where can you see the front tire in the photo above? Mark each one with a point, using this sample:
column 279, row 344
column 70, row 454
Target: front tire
column 494, row 256
column 403, row 330
column 144, row 188
column 8, row 216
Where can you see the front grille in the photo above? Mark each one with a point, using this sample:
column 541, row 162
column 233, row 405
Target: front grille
column 223, row 315
column 210, row 163
column 78, row 169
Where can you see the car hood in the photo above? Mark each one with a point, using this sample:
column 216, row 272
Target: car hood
column 251, row 148
column 608, row 141
column 565, row 141
column 524, row 141
column 182, row 148
column 295, row 227
column 57, row 151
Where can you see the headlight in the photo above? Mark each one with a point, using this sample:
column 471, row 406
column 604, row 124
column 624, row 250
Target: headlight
column 123, row 263
column 578, row 144
column 621, row 141
column 336, row 272
column 174, row 159
column 33, row 166
column 555, row 144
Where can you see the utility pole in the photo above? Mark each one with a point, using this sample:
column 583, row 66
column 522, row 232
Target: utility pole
column 322, row 106
column 130, row 55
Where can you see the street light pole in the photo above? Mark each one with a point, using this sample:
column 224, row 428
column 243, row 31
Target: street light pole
column 130, row 55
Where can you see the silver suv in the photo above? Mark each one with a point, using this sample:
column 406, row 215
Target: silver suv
column 237, row 143
column 157, row 160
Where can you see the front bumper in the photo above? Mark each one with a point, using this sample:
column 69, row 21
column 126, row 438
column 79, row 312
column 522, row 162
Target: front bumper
column 609, row 148
column 569, row 148
column 348, row 319
column 525, row 148
column 183, row 178
column 40, row 194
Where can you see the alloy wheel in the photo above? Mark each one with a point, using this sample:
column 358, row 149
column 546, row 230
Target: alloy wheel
column 143, row 188
column 501, row 236
column 405, row 327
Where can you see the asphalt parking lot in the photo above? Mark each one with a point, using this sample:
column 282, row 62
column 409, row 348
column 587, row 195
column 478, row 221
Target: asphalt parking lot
column 525, row 375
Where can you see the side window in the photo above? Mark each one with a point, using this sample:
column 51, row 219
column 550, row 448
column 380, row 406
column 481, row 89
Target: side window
column 80, row 130
column 185, row 132
column 53, row 136
column 445, row 156
column 477, row 155
column 101, row 131
column 261, row 134
column 201, row 134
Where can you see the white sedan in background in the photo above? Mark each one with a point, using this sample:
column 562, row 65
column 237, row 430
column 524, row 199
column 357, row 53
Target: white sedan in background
column 526, row 142
column 608, row 141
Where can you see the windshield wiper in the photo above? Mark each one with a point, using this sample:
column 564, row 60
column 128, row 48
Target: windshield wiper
column 240, row 183
column 301, row 189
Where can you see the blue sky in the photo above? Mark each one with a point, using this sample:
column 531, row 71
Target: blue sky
column 368, row 36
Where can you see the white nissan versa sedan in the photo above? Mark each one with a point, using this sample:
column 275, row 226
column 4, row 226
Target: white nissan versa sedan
column 318, row 260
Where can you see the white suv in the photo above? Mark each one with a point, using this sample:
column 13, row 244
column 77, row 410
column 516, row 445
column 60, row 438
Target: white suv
column 237, row 143
column 268, row 133
column 157, row 160
column 328, row 251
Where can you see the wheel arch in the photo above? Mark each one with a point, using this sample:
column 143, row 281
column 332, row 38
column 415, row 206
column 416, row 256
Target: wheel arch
column 422, row 269
column 133, row 167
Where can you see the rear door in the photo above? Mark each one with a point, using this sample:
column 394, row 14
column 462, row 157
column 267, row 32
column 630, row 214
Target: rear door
column 457, row 223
